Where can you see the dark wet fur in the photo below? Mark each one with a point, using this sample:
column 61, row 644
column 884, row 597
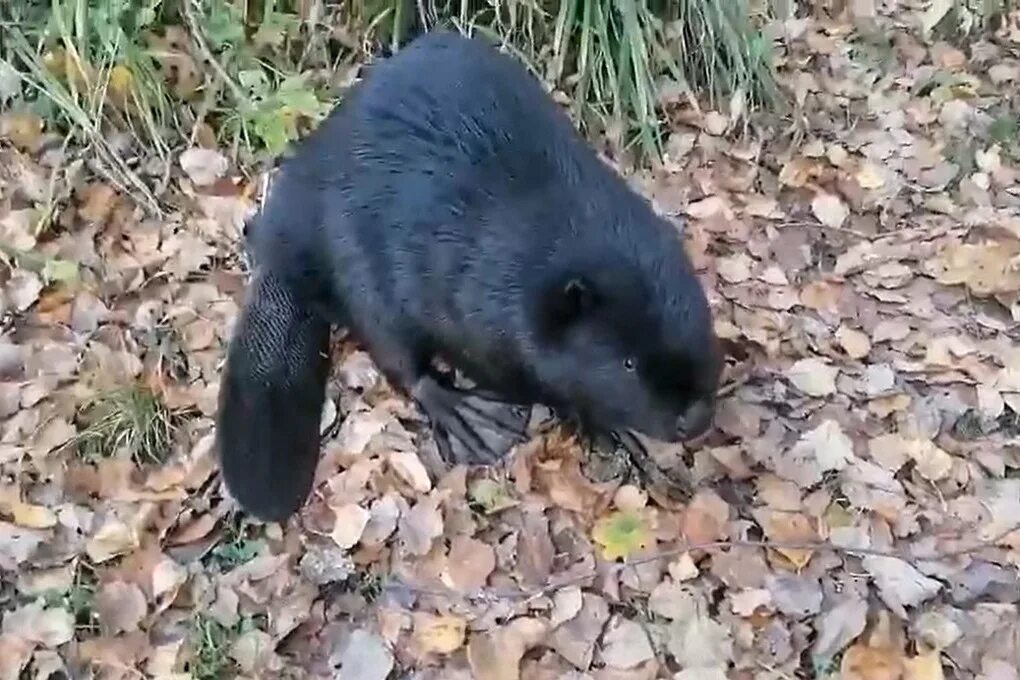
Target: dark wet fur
column 448, row 207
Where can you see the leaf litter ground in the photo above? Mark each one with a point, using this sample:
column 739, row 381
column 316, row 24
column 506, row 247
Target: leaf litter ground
column 855, row 516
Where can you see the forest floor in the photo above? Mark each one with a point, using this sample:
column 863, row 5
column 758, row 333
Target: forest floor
column 856, row 515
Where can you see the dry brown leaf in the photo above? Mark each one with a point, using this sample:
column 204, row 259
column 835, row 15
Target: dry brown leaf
column 985, row 268
column 496, row 655
column 872, row 663
column 790, row 528
column 830, row 210
column 349, row 522
column 735, row 269
column 409, row 468
column 469, row 564
column 121, row 607
column 748, row 601
column 365, row 657
column 705, row 519
column 626, row 645
column 838, row 626
column 46, row 626
column 422, row 524
column 575, row 640
column 813, row 376
column 203, row 166
column 855, row 343
column 698, row 642
column 566, row 605
column 253, row 653
column 899, row 583
column 827, row 445
column 15, row 653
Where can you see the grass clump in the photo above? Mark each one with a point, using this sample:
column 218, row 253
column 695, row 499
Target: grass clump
column 252, row 75
column 127, row 421
column 211, row 642
column 79, row 599
column 238, row 544
column 614, row 57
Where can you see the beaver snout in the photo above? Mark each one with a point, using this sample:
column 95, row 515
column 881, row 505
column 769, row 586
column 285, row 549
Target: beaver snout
column 696, row 420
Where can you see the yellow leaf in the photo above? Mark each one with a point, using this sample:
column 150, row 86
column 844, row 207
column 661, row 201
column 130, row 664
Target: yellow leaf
column 23, row 129
column 33, row 516
column 622, row 533
column 121, row 82
column 870, row 176
column 439, row 634
column 871, row 663
column 927, row 666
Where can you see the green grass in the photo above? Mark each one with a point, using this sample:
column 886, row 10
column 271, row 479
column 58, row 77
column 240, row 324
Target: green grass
column 211, row 642
column 238, row 544
column 259, row 73
column 131, row 420
column 79, row 600
column 610, row 55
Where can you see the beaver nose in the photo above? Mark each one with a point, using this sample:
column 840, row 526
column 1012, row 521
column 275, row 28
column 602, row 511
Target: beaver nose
column 696, row 420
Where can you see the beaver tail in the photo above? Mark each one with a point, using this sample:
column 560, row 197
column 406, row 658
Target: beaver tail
column 270, row 401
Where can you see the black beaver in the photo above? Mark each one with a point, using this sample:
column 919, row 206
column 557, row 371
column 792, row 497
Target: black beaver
column 448, row 208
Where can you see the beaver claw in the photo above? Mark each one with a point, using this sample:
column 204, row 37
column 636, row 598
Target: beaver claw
column 469, row 428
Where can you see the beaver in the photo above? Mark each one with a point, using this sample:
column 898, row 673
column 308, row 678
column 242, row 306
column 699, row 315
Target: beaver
column 447, row 207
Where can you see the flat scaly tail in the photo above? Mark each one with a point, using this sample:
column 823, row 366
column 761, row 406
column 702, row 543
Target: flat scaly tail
column 270, row 401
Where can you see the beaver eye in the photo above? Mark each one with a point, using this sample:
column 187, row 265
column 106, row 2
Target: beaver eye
column 629, row 363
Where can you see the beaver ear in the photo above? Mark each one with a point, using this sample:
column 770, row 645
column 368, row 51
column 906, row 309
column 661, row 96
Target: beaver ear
column 565, row 303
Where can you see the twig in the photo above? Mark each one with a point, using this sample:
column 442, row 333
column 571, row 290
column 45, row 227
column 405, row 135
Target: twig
column 489, row 594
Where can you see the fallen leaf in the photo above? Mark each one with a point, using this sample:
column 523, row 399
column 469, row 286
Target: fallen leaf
column 422, row 524
column 253, row 652
column 699, row 642
column 900, row 584
column 203, row 166
column 365, row 657
column 15, row 653
column 121, row 607
column 705, row 518
column 813, row 376
column 32, row 516
column 923, row 667
column 622, row 533
column 439, row 634
column 626, row 645
column 735, row 269
column 409, row 467
column 349, row 522
column 496, row 655
column 46, row 626
column 827, row 444
column 749, row 600
column 23, row 289
column 870, row 176
column 861, row 662
column 830, row 210
column 566, row 605
column 575, row 640
column 855, row 343
column 837, row 627
column 790, row 528
column 469, row 564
